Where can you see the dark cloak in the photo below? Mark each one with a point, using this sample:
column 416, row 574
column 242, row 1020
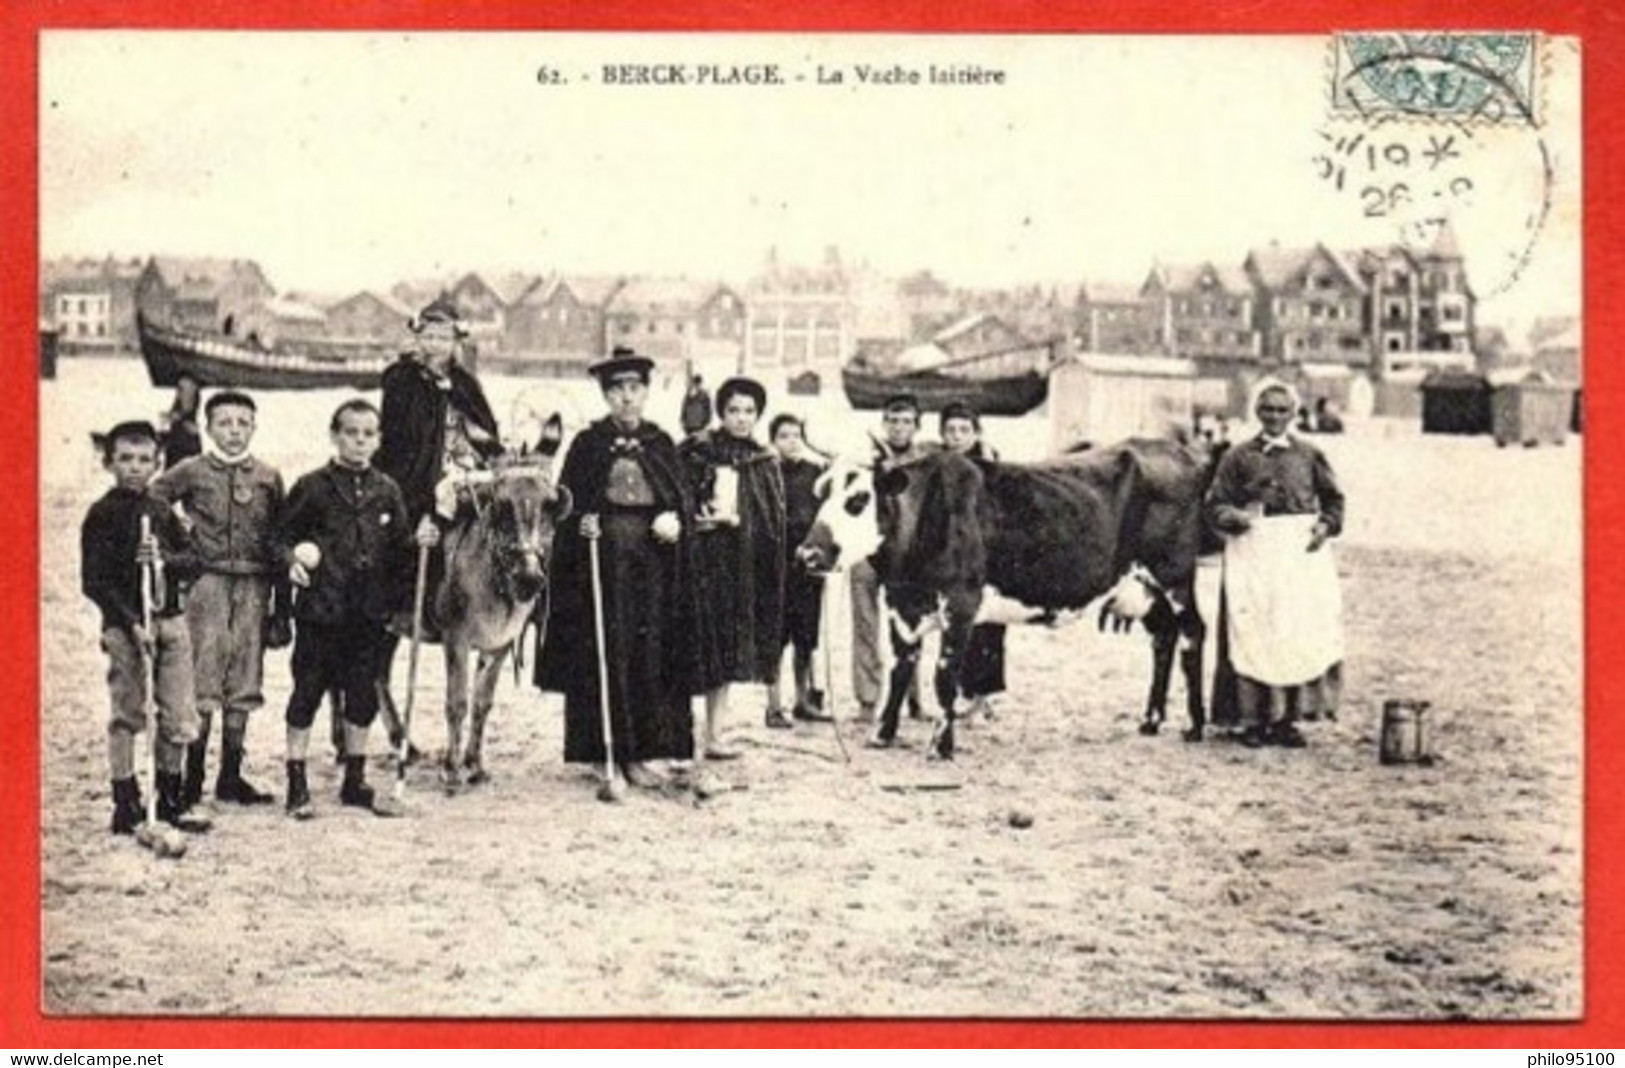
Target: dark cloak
column 414, row 426
column 741, row 568
column 648, row 605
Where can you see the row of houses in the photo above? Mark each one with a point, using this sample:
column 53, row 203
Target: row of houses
column 1379, row 310
column 1283, row 306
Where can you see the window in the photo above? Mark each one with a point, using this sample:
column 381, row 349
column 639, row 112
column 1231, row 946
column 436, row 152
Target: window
column 1399, row 280
column 1452, row 313
column 101, row 329
column 1315, row 309
column 1395, row 343
column 81, row 306
column 1396, row 309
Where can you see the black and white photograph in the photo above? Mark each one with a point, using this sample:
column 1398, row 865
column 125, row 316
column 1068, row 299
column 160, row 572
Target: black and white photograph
column 542, row 525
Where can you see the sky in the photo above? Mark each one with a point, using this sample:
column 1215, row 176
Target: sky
column 344, row 161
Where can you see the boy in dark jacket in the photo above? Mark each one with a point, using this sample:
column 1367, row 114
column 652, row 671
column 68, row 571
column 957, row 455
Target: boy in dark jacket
column 348, row 529
column 115, row 550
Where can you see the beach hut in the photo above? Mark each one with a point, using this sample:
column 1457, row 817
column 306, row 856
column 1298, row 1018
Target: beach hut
column 1096, row 399
column 48, row 339
column 1530, row 407
column 1455, row 402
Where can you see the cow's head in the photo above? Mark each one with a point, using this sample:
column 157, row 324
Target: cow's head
column 847, row 529
column 927, row 511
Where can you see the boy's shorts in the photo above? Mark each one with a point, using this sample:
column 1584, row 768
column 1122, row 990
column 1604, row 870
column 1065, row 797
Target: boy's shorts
column 127, row 680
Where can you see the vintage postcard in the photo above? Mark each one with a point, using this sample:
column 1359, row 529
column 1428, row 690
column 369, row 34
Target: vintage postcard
column 1053, row 244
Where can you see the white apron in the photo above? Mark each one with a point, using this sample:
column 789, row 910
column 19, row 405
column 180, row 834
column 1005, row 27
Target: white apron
column 1284, row 603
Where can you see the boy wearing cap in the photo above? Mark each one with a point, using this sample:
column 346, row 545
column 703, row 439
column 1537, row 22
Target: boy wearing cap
column 126, row 531
column 232, row 503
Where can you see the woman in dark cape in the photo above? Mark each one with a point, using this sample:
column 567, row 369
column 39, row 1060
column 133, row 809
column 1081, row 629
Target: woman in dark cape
column 741, row 555
column 626, row 482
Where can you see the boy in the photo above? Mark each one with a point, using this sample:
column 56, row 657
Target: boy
column 232, row 503
column 113, row 556
column 347, row 527
column 803, row 592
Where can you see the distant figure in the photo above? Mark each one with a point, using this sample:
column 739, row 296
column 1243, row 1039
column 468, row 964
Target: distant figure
column 178, row 426
column 696, row 414
column 1327, row 421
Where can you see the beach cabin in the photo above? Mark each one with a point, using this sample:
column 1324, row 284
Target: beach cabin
column 1529, row 406
column 1455, row 402
column 1096, row 399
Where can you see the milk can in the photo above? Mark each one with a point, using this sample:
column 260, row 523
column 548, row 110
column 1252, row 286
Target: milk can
column 1405, row 736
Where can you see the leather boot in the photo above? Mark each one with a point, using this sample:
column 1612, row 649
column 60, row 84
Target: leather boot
column 192, row 789
column 172, row 811
column 129, row 811
column 231, row 786
column 298, row 804
column 355, row 792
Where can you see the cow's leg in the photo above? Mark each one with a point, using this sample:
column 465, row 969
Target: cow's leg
column 456, row 710
column 905, row 666
column 897, row 688
column 1163, row 627
column 950, row 661
column 1193, row 634
column 486, row 673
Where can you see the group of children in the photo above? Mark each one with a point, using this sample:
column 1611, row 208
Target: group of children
column 195, row 570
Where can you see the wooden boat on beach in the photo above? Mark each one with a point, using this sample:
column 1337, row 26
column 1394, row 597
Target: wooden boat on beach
column 1010, row 382
column 214, row 360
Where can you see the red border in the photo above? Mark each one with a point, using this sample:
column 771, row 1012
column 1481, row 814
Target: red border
column 21, row 1024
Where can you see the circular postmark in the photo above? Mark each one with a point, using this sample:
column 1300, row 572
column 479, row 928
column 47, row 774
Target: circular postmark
column 1441, row 143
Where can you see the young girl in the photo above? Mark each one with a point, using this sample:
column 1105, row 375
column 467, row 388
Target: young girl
column 741, row 553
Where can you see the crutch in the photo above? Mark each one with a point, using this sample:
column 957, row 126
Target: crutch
column 419, row 588
column 612, row 789
column 169, row 843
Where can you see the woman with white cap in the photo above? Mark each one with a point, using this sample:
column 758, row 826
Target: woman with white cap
column 1276, row 500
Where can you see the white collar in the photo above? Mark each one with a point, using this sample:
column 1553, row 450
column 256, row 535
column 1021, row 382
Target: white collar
column 219, row 457
column 1270, row 444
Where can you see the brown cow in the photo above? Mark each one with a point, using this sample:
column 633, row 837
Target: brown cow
column 1055, row 536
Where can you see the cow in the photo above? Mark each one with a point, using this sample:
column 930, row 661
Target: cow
column 1123, row 522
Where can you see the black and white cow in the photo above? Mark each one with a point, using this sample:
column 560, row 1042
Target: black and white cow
column 1123, row 522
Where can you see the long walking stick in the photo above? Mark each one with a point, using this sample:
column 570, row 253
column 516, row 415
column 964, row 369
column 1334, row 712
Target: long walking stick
column 827, row 595
column 170, row 843
column 611, row 790
column 419, row 589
